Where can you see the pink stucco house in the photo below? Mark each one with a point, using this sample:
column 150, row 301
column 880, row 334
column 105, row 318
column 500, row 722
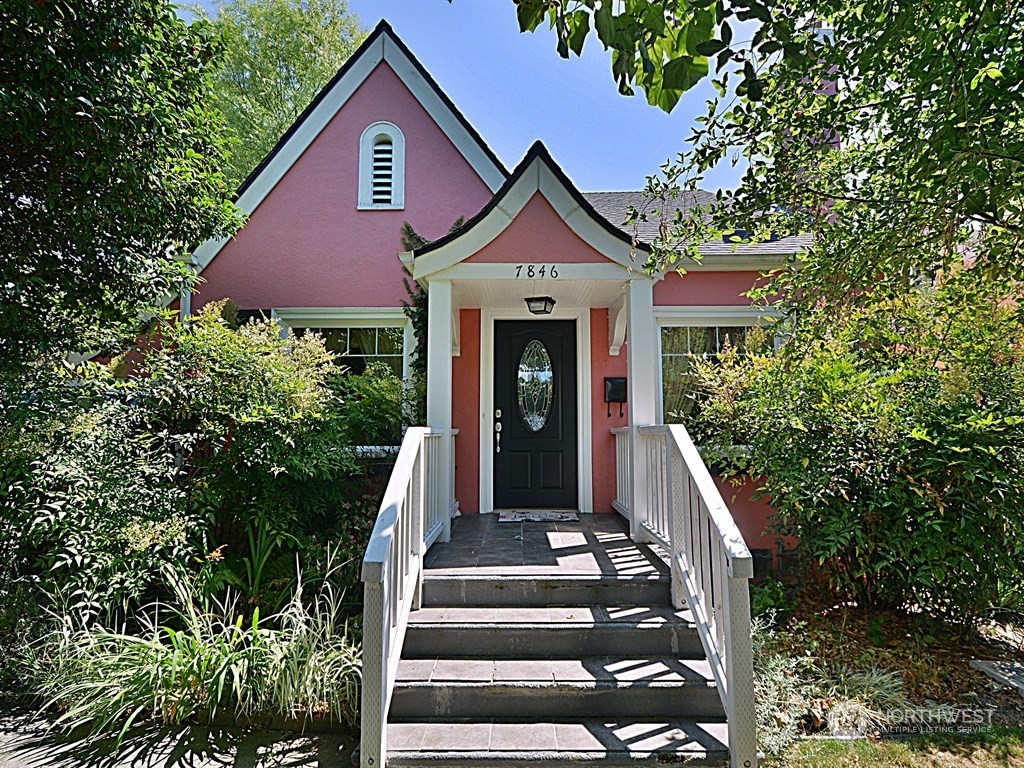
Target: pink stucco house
column 553, row 361
column 382, row 145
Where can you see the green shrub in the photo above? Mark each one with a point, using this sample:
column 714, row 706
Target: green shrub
column 770, row 600
column 375, row 406
column 891, row 446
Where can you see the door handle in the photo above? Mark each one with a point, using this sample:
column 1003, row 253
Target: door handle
column 497, row 431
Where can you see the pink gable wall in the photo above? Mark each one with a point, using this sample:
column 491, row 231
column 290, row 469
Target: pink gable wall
column 536, row 235
column 306, row 245
column 704, row 289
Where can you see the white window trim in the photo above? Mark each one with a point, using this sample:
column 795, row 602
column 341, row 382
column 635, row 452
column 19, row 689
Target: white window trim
column 351, row 317
column 366, row 141
column 699, row 316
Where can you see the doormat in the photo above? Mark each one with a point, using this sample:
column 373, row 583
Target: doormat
column 538, row 517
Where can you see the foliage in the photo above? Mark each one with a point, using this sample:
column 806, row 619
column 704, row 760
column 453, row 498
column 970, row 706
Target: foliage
column 97, row 511
column 375, row 406
column 990, row 748
column 892, row 449
column 893, row 136
column 416, row 311
column 110, row 155
column 769, row 600
column 782, row 691
column 227, row 442
column 193, row 660
column 278, row 54
column 660, row 46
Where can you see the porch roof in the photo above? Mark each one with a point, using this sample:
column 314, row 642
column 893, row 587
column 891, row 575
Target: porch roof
column 536, row 173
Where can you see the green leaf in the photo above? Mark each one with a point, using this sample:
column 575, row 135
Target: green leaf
column 710, row 47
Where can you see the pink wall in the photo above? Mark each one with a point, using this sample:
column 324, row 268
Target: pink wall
column 708, row 289
column 752, row 517
column 306, row 245
column 602, row 364
column 466, row 410
column 537, row 232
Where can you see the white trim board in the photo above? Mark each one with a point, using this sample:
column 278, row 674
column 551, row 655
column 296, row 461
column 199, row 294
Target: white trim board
column 584, row 415
column 343, row 317
column 384, row 49
column 741, row 314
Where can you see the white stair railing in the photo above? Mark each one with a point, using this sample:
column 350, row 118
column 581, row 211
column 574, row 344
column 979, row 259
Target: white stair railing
column 623, row 475
column 683, row 510
column 413, row 511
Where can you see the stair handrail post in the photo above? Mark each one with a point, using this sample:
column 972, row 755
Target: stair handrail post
column 372, row 717
column 741, row 713
column 392, row 573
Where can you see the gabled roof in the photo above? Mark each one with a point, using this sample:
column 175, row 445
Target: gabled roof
column 381, row 45
column 537, row 172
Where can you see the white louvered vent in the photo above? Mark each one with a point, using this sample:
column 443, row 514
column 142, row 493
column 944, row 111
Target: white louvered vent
column 383, row 170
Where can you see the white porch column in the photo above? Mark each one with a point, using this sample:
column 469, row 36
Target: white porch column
column 439, row 392
column 642, row 351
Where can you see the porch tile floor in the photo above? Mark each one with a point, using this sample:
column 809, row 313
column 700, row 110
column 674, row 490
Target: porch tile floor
column 597, row 545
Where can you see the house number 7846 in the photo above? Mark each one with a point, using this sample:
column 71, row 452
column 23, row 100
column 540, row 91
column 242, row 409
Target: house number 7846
column 535, row 271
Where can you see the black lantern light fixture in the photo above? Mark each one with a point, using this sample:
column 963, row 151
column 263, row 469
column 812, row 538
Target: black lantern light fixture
column 540, row 305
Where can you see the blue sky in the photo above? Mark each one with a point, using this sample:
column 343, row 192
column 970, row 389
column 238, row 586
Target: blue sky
column 515, row 89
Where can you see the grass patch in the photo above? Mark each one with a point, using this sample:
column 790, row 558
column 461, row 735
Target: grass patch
column 986, row 749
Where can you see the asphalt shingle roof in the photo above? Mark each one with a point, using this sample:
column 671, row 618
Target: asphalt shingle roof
column 614, row 206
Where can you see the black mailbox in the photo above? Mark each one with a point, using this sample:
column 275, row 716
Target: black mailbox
column 614, row 392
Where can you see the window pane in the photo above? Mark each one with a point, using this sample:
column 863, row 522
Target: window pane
column 362, row 341
column 389, row 341
column 737, row 336
column 678, row 387
column 703, row 341
column 361, row 346
column 673, row 341
column 335, row 339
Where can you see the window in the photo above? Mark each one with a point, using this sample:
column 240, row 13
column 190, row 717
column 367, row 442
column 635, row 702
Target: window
column 359, row 347
column 361, row 335
column 382, row 167
column 678, row 343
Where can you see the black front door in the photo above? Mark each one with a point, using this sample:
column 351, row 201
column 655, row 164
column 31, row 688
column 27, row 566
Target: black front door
column 535, row 414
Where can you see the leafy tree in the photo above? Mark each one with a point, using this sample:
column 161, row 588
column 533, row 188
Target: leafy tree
column 278, row 55
column 896, row 137
column 109, row 158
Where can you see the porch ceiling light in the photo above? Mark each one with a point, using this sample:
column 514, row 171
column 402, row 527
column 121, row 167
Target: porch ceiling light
column 540, row 305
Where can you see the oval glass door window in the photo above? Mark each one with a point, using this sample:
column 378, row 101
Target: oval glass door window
column 536, row 386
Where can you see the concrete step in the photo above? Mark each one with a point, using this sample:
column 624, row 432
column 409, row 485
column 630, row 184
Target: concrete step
column 587, row 669
column 551, row 633
column 555, row 744
column 533, row 700
column 529, row 590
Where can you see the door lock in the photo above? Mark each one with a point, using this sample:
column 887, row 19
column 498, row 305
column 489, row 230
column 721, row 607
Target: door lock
column 497, row 431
